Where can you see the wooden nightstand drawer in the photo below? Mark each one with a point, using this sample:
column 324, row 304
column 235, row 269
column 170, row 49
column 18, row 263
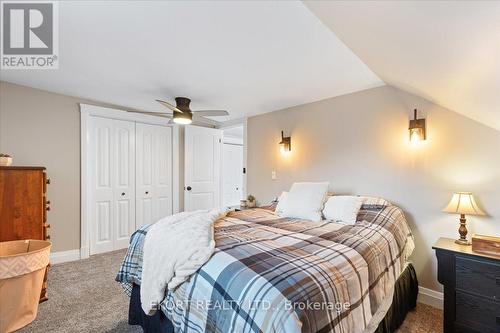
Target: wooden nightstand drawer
column 477, row 313
column 478, row 276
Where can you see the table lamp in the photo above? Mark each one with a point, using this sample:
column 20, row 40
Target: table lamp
column 463, row 203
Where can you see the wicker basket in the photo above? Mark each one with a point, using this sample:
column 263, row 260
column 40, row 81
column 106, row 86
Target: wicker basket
column 22, row 267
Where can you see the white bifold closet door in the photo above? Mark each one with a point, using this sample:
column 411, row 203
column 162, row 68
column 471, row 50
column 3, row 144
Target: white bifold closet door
column 154, row 173
column 113, row 184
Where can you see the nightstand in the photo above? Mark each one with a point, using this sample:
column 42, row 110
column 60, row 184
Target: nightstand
column 471, row 283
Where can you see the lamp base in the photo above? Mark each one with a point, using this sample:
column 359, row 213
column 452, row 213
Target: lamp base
column 463, row 232
column 463, row 242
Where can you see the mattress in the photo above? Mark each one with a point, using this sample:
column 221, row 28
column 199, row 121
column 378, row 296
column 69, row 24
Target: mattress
column 273, row 274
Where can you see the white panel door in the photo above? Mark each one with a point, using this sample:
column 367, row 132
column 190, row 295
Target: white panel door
column 202, row 168
column 232, row 174
column 154, row 173
column 102, row 217
column 124, row 185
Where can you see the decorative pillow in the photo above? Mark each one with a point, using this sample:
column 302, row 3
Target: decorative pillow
column 343, row 208
column 375, row 201
column 281, row 203
column 305, row 200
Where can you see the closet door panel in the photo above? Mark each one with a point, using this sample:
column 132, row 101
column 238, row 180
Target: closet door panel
column 124, row 189
column 101, row 228
column 163, row 172
column 145, row 142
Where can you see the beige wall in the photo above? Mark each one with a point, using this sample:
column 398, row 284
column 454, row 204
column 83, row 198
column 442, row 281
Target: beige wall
column 359, row 142
column 42, row 128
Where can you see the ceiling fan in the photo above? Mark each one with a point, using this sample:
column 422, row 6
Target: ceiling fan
column 182, row 114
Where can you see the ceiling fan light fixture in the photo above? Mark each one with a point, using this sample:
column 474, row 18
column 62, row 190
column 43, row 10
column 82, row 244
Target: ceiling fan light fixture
column 184, row 118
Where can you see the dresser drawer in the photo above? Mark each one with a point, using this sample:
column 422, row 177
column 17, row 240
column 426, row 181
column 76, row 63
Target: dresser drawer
column 478, row 276
column 477, row 313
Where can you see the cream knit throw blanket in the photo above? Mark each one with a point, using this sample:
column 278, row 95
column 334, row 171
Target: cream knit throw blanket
column 174, row 248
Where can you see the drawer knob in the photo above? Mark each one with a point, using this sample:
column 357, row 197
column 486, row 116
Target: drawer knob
column 47, row 181
column 47, row 237
column 47, row 208
column 48, row 202
column 47, row 225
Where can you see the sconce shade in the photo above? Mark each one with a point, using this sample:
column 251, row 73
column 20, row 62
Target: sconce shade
column 416, row 134
column 417, row 128
column 285, row 144
column 463, row 203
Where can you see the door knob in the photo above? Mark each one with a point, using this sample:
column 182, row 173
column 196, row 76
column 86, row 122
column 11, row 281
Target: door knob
column 123, row 193
column 188, row 188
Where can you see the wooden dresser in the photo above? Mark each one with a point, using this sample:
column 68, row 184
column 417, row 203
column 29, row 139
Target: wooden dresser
column 471, row 283
column 23, row 206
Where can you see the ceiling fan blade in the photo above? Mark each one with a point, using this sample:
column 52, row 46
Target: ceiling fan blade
column 168, row 105
column 159, row 114
column 211, row 113
column 203, row 120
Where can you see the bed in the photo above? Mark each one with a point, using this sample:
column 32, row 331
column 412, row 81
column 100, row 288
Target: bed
column 273, row 274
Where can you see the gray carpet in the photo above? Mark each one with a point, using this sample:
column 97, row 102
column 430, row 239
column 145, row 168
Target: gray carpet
column 84, row 297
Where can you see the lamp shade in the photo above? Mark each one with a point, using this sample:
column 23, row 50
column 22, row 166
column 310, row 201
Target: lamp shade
column 463, row 203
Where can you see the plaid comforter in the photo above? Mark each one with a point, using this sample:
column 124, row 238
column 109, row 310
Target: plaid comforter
column 272, row 274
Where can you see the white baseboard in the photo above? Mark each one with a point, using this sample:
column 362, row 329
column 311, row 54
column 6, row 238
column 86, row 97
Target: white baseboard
column 430, row 297
column 84, row 253
column 64, row 256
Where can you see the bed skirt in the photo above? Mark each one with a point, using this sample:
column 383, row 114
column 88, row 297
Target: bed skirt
column 404, row 300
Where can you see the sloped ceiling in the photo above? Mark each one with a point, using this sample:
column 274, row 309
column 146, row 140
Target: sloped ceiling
column 243, row 56
column 445, row 51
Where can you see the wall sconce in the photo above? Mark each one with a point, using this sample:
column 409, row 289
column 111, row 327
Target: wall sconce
column 417, row 129
column 285, row 144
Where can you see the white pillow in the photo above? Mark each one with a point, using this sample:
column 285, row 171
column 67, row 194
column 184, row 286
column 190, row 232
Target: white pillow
column 343, row 208
column 305, row 200
column 281, row 203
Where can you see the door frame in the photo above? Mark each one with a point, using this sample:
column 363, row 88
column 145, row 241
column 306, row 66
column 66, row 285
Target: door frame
column 86, row 112
column 237, row 123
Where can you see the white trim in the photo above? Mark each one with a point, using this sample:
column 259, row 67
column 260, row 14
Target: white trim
column 64, row 256
column 237, row 123
column 232, row 140
column 430, row 297
column 87, row 111
column 84, row 182
column 245, row 164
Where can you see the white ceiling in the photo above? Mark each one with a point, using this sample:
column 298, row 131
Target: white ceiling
column 245, row 57
column 445, row 51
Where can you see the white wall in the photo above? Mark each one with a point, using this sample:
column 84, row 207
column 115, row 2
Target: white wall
column 359, row 142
